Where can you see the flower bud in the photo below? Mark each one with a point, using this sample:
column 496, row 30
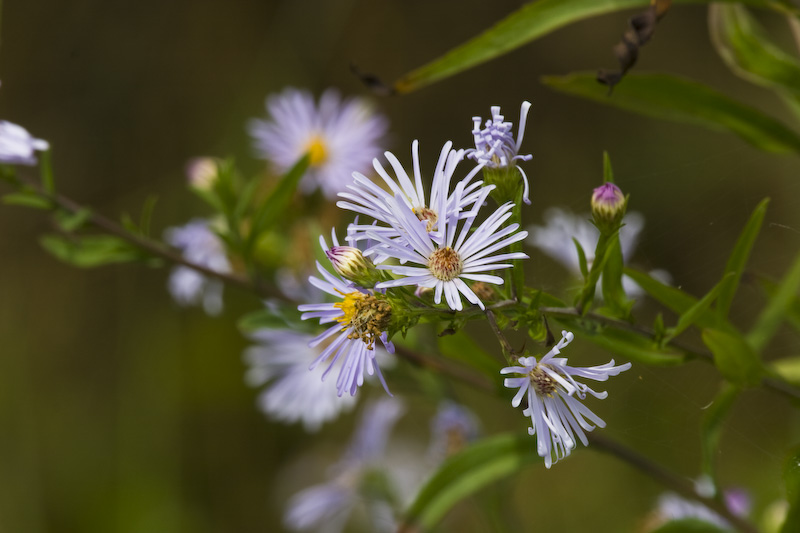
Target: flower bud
column 608, row 207
column 202, row 173
column 351, row 264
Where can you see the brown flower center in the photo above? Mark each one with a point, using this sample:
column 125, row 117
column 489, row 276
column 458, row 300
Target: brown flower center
column 541, row 382
column 445, row 264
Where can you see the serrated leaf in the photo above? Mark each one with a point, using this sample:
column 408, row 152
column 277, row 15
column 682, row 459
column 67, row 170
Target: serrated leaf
column 627, row 344
column 527, row 24
column 465, row 473
column 780, row 304
column 27, row 199
column 748, row 51
column 669, row 97
column 461, row 347
column 734, row 357
column 690, row 525
column 90, row 250
column 791, row 476
column 739, row 256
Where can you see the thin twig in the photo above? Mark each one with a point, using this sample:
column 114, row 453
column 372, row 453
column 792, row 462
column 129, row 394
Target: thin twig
column 150, row 246
column 508, row 351
column 668, row 479
column 771, row 383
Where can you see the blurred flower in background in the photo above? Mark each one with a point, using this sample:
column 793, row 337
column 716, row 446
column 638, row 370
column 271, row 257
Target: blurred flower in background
column 357, row 481
column 340, row 136
column 17, row 146
column 452, row 428
column 201, row 246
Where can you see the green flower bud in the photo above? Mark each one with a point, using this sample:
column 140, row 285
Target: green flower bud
column 351, row 264
column 608, row 207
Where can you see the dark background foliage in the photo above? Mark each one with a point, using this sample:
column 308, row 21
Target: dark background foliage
column 121, row 412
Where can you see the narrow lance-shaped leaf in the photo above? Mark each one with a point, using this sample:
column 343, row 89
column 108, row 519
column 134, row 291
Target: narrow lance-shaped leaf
column 694, row 314
column 531, row 21
column 465, row 473
column 739, row 256
column 778, row 307
column 678, row 99
column 791, row 476
column 711, row 430
column 461, row 347
column 734, row 357
column 748, row 51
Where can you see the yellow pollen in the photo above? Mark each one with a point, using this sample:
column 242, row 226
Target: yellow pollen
column 316, row 151
column 365, row 316
column 426, row 213
column 541, row 382
column 445, row 264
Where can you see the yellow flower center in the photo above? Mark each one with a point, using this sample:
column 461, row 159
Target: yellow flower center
column 445, row 264
column 317, row 153
column 365, row 315
column 541, row 382
column 425, row 213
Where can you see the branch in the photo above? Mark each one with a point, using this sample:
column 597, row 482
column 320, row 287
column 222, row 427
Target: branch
column 150, row 246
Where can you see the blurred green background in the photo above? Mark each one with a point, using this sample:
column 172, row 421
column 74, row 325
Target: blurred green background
column 121, row 412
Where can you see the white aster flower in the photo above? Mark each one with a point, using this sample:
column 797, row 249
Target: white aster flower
column 339, row 136
column 295, row 393
column 369, row 199
column 361, row 317
column 444, row 266
column 554, row 395
column 555, row 239
column 328, row 506
column 17, row 146
column 200, row 246
column 495, row 146
column 673, row 507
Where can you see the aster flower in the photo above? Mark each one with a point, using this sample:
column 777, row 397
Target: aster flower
column 672, row 507
column 328, row 506
column 555, row 239
column 295, row 393
column 553, row 396
column 203, row 247
column 17, row 146
column 452, row 428
column 444, row 266
column 369, row 199
column 340, row 136
column 361, row 317
column 495, row 146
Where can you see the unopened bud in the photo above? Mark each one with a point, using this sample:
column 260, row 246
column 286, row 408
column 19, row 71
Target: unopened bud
column 202, row 172
column 351, row 264
column 608, row 207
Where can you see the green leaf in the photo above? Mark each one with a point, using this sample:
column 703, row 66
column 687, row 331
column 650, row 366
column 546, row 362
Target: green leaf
column 678, row 99
column 689, row 525
column 530, row 22
column 613, row 294
column 770, row 287
column 46, row 169
column 778, row 307
column 461, row 347
column 27, row 199
column 711, row 428
column 90, row 250
column 672, row 297
column 465, row 473
column 608, row 172
column 584, row 265
column 734, row 357
column 739, row 256
column 629, row 345
column 693, row 314
column 276, row 205
column 69, row 221
column 747, row 50
column 791, row 476
column 268, row 318
column 788, row 369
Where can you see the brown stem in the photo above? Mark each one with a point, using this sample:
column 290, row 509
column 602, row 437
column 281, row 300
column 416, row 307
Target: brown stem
column 150, row 246
column 667, row 479
column 771, row 383
column 428, row 361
